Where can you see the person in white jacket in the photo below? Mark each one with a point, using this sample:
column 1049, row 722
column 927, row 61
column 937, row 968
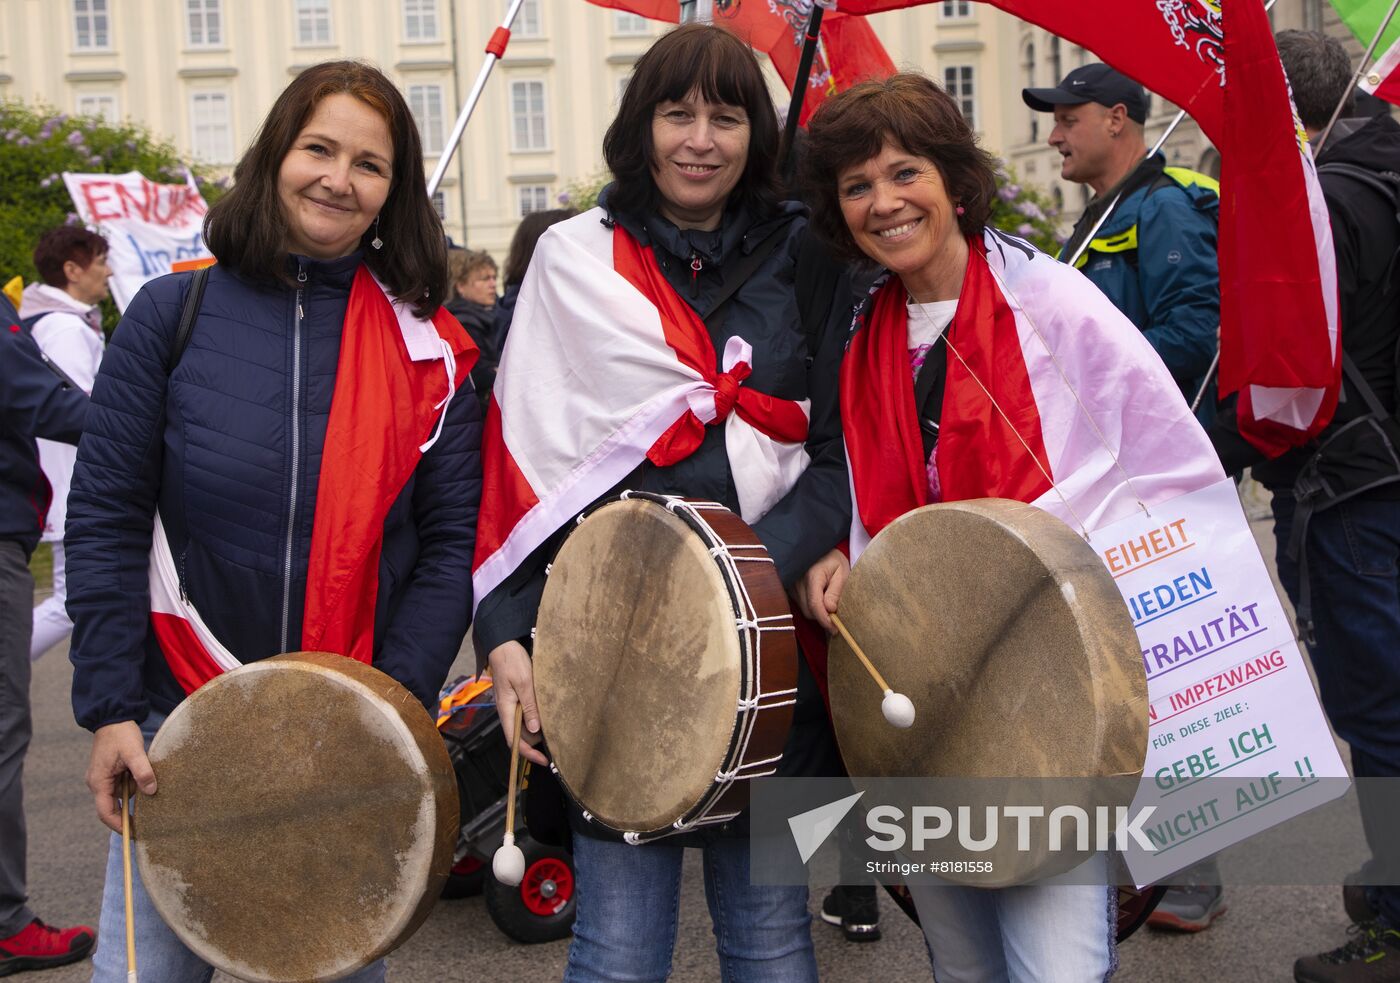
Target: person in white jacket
column 62, row 314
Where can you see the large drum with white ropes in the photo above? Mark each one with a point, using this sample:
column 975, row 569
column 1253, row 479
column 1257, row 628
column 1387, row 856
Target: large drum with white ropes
column 1006, row 630
column 665, row 665
column 304, row 821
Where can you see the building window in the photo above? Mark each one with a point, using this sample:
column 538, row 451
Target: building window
column 425, row 102
column 527, row 120
column 625, row 23
column 204, row 27
column 420, row 20
column 527, row 22
column 440, row 204
column 958, row 81
column 211, row 128
column 313, row 22
column 1056, row 62
column 532, row 198
column 91, row 27
column 957, row 9
column 103, row 105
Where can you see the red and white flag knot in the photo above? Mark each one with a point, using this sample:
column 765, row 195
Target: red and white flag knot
column 396, row 376
column 606, row 367
column 1280, row 347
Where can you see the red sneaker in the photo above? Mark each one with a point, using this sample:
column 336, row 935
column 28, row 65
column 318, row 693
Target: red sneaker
column 40, row 946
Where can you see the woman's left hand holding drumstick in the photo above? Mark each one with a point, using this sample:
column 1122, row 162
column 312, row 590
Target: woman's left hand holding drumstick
column 513, row 679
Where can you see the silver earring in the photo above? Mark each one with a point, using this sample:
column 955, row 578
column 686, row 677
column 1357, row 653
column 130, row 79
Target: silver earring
column 376, row 242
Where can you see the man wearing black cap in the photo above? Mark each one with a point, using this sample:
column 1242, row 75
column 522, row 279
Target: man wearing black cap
column 1155, row 255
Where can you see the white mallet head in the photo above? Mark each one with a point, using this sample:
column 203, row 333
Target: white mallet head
column 898, row 709
column 508, row 864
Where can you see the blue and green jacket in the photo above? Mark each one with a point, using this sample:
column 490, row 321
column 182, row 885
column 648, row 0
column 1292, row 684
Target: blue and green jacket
column 1155, row 258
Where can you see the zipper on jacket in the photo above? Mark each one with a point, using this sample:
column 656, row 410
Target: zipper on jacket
column 296, row 459
column 695, row 267
column 180, row 575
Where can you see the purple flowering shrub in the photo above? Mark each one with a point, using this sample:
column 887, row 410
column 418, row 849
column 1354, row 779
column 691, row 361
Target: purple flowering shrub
column 1026, row 211
column 37, row 144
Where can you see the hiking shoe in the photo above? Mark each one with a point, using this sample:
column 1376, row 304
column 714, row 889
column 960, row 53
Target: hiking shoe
column 1189, row 909
column 855, row 910
column 40, row 946
column 1354, row 900
column 1371, row 955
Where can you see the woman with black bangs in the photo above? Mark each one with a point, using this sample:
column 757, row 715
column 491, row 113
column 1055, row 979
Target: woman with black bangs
column 694, row 214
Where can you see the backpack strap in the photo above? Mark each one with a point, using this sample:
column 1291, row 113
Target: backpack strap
column 188, row 312
column 738, row 274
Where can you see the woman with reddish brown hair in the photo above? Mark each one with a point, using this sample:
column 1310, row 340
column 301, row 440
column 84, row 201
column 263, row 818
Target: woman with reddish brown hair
column 979, row 367
column 304, row 460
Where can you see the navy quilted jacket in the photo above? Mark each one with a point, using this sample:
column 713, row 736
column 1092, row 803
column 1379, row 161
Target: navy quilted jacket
column 229, row 449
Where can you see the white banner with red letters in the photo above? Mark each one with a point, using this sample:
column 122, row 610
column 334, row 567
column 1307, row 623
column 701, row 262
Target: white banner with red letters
column 151, row 229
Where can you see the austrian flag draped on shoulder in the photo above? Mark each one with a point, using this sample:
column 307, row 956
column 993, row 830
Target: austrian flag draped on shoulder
column 1280, row 346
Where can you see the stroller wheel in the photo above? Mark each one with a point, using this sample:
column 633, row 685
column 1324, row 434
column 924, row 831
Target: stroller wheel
column 541, row 909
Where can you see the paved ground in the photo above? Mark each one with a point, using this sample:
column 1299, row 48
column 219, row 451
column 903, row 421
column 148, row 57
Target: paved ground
column 1266, row 928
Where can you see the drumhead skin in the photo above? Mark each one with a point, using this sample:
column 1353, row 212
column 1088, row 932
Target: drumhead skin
column 637, row 665
column 1006, row 631
column 305, row 818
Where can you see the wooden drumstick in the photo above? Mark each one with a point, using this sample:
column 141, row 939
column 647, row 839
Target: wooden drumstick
column 897, row 708
column 508, row 863
column 126, row 878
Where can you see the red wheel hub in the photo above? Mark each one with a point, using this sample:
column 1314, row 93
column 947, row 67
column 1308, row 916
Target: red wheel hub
column 467, row 865
column 547, row 887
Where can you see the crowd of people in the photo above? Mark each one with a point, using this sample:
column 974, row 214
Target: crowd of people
column 217, row 427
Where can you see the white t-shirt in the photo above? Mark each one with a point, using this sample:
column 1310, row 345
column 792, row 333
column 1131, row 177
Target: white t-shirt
column 926, row 323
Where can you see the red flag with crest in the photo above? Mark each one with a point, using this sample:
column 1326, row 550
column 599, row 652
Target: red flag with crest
column 1280, row 346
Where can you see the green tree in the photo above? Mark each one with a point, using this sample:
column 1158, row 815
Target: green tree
column 37, row 144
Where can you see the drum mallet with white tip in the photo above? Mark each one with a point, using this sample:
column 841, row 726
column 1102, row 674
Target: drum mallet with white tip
column 897, row 708
column 508, row 864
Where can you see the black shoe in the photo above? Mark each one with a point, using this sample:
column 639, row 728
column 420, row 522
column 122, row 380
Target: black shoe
column 1358, row 908
column 855, row 910
column 1371, row 955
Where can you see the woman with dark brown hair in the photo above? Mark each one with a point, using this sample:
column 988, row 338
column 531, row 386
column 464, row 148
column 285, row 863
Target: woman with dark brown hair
column 690, row 250
column 981, row 368
column 298, row 458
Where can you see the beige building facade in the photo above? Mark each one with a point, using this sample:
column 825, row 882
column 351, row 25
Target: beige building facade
column 204, row 72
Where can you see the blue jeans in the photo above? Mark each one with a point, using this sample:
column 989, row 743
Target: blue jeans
column 1354, row 575
column 629, row 896
column 1038, row 933
column 160, row 955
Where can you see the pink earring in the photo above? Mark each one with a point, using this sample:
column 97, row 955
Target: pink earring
column 961, row 210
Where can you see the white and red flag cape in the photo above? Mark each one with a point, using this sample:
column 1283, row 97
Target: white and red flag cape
column 606, row 367
column 395, row 377
column 1052, row 397
column 1279, row 340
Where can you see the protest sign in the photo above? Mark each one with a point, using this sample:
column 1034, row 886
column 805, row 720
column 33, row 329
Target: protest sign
column 1237, row 739
column 150, row 228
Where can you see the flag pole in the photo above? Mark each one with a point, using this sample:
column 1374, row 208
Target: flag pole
column 1360, row 70
column 495, row 48
column 799, row 89
column 1171, row 128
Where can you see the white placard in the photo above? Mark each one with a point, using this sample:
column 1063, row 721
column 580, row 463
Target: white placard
column 1237, row 738
column 150, row 228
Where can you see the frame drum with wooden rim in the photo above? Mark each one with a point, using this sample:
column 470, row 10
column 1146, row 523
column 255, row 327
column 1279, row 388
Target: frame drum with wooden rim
column 665, row 665
column 304, row 822
column 1006, row 630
